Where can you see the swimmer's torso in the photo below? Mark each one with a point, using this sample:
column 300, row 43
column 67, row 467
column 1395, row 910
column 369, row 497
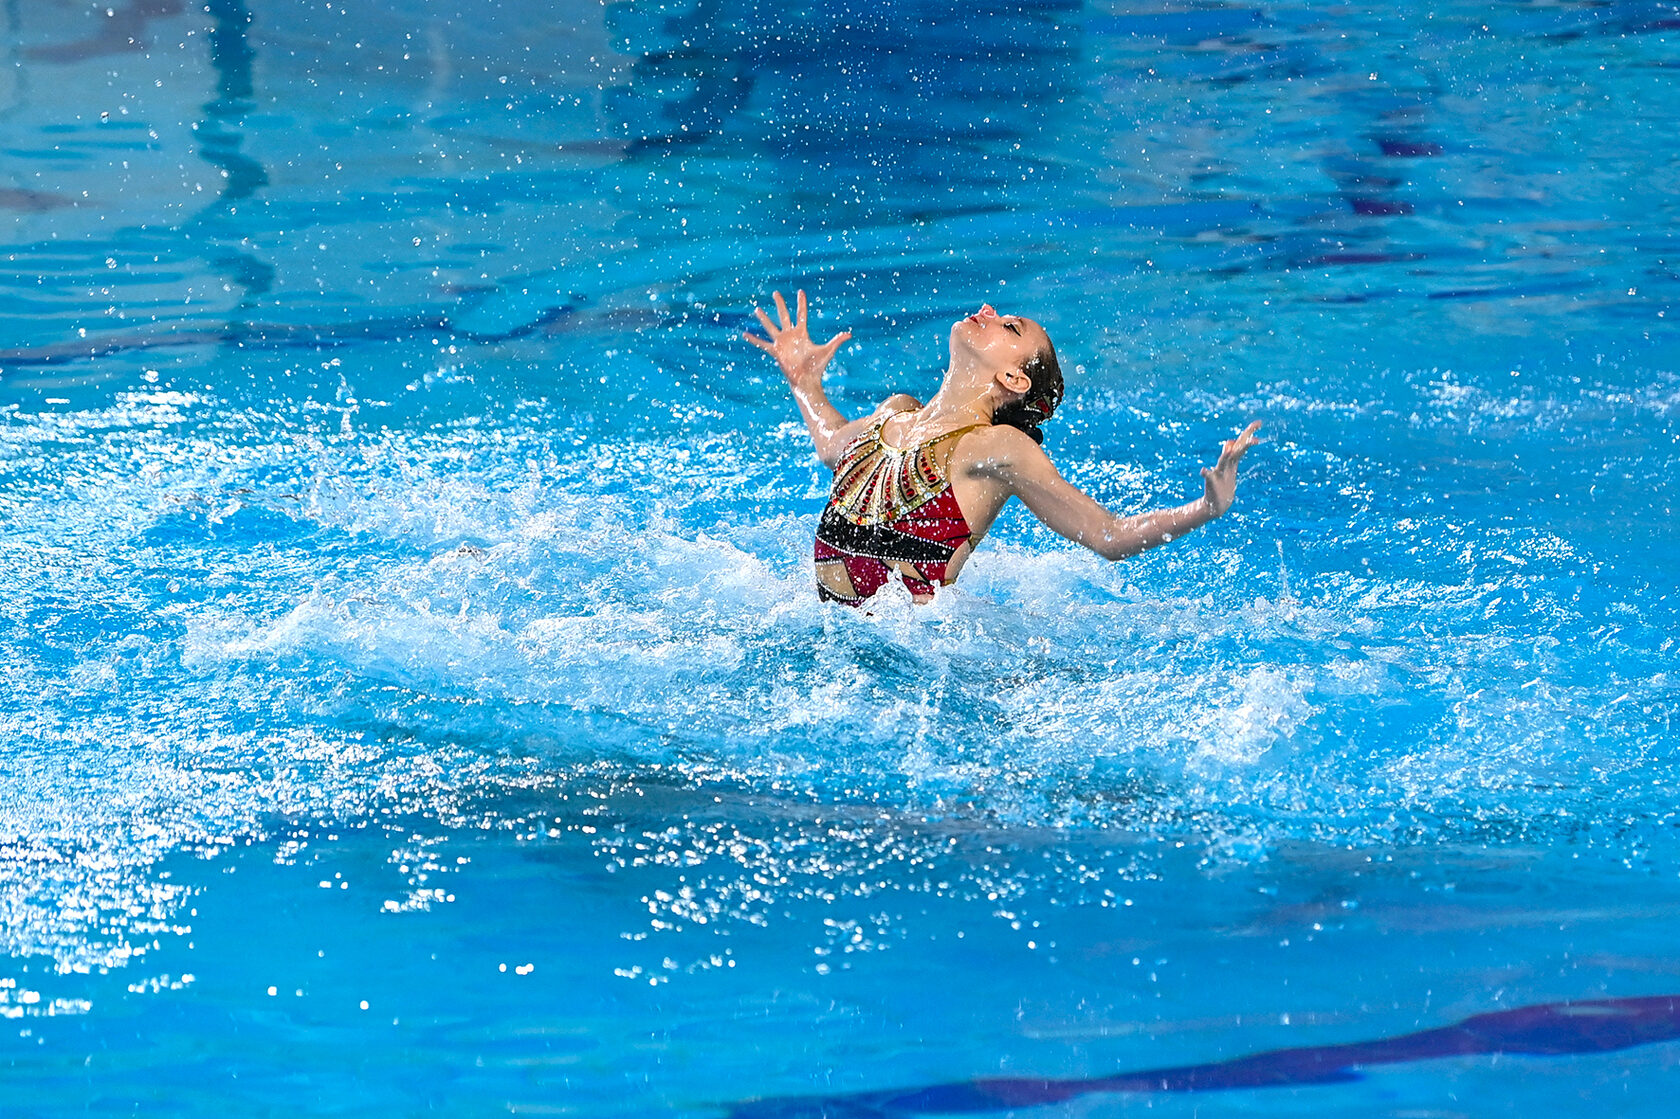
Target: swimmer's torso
column 892, row 510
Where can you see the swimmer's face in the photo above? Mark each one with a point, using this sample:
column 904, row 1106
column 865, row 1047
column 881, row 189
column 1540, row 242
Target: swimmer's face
column 1003, row 342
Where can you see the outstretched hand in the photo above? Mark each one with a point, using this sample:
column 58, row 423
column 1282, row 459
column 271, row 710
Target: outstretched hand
column 802, row 361
column 1219, row 482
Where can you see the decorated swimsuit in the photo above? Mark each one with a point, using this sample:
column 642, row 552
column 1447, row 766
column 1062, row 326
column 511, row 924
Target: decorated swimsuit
column 891, row 511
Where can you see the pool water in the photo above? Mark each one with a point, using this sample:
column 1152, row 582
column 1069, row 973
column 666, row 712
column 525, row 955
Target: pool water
column 414, row 696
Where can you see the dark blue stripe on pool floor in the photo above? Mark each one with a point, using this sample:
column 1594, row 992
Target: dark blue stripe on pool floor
column 1546, row 1030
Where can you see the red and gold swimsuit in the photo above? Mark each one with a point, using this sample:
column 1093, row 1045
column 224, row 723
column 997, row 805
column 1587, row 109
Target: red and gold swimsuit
column 890, row 510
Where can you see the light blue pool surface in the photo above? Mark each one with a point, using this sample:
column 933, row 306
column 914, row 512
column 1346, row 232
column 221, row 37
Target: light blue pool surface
column 413, row 696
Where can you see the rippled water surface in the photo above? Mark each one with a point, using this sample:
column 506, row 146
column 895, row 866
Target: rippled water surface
column 414, row 696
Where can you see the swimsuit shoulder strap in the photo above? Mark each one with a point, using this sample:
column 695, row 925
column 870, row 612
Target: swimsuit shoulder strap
column 947, row 445
column 865, row 443
column 877, row 429
column 950, row 437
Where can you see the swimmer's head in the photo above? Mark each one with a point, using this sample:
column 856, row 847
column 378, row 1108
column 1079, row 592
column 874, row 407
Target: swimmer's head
column 1016, row 352
column 1029, row 411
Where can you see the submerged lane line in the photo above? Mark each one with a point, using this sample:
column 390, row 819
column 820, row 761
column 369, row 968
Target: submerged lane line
column 1546, row 1030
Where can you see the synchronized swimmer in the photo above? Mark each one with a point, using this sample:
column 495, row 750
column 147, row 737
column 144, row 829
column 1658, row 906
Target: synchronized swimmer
column 917, row 485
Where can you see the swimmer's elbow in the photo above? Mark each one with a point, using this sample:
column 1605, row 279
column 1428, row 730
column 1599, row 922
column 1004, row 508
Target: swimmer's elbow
column 1104, row 542
column 1127, row 537
column 1116, row 550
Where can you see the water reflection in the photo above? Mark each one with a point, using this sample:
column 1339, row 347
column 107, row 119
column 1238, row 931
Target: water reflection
column 121, row 29
column 1169, row 165
column 220, row 134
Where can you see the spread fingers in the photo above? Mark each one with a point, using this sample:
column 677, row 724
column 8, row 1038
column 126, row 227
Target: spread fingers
column 1232, row 450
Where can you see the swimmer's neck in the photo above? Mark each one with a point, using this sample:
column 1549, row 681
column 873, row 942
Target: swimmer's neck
column 966, row 393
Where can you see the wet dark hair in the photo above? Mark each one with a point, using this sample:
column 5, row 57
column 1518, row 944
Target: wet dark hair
column 1039, row 404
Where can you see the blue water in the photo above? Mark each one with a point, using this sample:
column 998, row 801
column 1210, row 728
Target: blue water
column 414, row 697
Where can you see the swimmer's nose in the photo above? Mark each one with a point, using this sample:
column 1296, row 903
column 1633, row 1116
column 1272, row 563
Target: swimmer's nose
column 986, row 311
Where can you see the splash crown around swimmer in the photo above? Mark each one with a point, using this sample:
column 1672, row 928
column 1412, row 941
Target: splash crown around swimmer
column 916, row 486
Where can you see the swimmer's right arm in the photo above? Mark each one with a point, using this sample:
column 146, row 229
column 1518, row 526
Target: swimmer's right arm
column 802, row 362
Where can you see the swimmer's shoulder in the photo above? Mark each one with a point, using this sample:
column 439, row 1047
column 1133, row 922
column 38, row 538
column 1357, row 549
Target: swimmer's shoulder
column 996, row 446
column 897, row 402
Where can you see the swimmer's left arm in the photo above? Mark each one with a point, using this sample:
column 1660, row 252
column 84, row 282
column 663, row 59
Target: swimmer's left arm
column 1030, row 475
column 803, row 362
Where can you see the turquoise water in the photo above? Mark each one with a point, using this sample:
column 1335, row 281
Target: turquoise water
column 414, row 695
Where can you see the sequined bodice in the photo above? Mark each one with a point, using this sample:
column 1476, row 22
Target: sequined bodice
column 891, row 515
column 875, row 482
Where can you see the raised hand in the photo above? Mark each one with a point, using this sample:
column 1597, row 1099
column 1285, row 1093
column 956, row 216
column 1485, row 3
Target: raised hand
column 1219, row 483
column 802, row 361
